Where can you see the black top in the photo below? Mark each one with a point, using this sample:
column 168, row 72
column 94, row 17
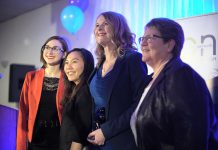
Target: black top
column 47, row 127
column 76, row 119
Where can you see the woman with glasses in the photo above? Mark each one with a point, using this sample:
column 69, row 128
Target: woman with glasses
column 40, row 108
column 115, row 84
column 175, row 110
column 77, row 101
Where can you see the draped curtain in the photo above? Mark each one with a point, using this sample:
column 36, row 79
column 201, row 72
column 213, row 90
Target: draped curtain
column 139, row 12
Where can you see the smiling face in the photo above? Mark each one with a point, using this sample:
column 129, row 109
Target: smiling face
column 154, row 50
column 103, row 31
column 74, row 66
column 52, row 57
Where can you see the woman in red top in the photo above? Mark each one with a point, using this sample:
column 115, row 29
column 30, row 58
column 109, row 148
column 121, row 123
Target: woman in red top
column 40, row 100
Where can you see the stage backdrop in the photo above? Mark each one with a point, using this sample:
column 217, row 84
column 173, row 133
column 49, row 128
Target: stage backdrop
column 200, row 48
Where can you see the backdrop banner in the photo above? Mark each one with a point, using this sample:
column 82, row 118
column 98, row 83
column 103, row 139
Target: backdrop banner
column 200, row 49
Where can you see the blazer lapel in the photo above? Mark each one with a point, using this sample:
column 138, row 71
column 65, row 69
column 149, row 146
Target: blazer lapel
column 158, row 79
column 60, row 89
column 116, row 71
column 38, row 81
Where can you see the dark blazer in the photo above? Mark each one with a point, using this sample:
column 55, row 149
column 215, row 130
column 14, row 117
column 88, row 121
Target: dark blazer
column 130, row 74
column 76, row 119
column 177, row 112
column 29, row 103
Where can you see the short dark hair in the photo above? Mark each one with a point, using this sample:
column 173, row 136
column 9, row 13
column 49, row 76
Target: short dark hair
column 169, row 29
column 70, row 87
column 64, row 46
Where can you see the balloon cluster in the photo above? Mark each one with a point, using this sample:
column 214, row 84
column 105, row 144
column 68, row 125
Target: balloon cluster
column 72, row 17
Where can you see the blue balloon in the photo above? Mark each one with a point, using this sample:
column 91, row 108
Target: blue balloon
column 72, row 18
column 82, row 4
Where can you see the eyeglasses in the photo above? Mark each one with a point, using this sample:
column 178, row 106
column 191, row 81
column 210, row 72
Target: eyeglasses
column 149, row 37
column 54, row 49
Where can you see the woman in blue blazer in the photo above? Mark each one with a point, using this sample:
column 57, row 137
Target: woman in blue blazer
column 116, row 83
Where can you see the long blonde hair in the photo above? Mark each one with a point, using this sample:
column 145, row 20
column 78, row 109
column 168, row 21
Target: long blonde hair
column 122, row 36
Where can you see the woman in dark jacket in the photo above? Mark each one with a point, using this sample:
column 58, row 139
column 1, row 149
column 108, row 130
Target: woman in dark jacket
column 115, row 84
column 76, row 122
column 175, row 110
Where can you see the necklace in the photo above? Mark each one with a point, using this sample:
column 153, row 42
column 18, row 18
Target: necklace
column 52, row 74
column 107, row 66
column 156, row 73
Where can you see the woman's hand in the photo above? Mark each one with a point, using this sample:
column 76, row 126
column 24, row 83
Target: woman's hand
column 76, row 146
column 96, row 137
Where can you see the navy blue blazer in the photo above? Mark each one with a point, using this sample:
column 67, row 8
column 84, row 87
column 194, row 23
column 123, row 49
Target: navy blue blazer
column 130, row 81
